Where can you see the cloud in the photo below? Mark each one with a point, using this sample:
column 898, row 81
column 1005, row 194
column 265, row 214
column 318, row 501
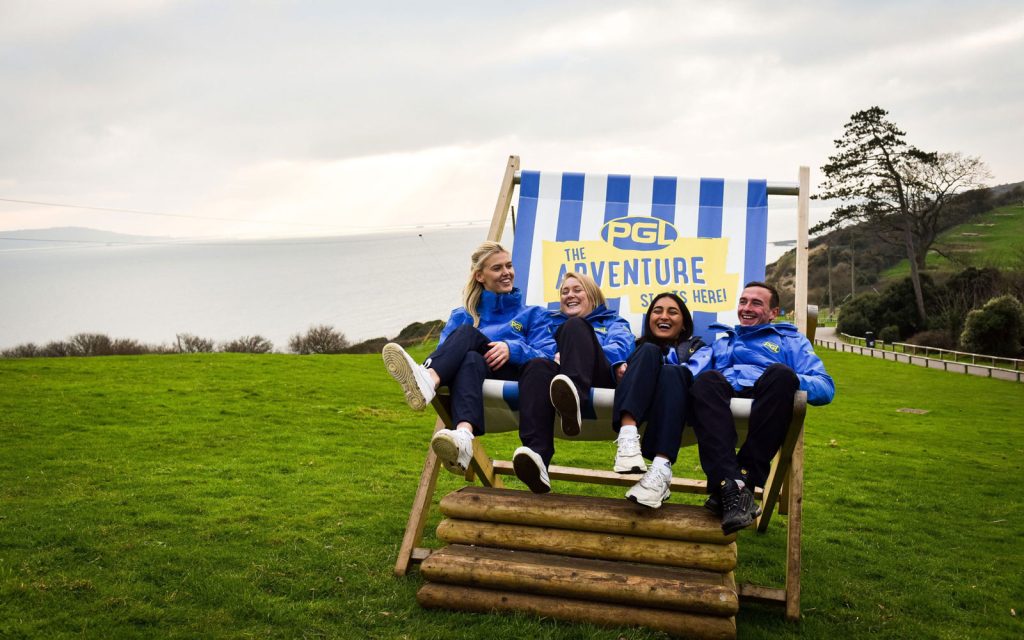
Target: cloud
column 345, row 116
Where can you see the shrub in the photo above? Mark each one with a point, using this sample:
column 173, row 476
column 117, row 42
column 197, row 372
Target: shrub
column 319, row 339
column 248, row 344
column 188, row 343
column 996, row 329
column 91, row 344
column 129, row 347
column 857, row 316
column 27, row 350
column 890, row 334
column 57, row 349
column 938, row 338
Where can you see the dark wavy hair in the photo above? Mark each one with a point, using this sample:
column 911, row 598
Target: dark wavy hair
column 685, row 334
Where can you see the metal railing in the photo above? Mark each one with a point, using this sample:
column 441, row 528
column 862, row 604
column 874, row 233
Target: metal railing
column 957, row 361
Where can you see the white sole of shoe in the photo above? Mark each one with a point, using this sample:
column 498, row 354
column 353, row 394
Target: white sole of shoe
column 566, row 402
column 399, row 369
column 447, row 452
column 527, row 471
column 636, row 468
column 649, row 505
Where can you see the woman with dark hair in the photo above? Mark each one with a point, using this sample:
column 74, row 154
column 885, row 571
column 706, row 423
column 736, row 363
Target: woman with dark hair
column 593, row 344
column 491, row 336
column 654, row 389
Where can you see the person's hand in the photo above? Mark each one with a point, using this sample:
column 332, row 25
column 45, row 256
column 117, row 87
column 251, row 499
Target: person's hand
column 620, row 371
column 558, row 358
column 497, row 356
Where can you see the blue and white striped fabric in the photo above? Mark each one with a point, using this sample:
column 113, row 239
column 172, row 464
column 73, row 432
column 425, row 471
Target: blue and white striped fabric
column 565, row 207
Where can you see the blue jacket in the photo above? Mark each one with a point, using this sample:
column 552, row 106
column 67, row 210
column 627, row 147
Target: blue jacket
column 743, row 353
column 612, row 331
column 504, row 318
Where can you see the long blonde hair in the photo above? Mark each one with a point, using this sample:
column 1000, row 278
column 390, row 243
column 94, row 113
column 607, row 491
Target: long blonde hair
column 471, row 294
column 593, row 291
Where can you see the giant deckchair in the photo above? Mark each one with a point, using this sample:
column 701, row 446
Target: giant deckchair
column 639, row 236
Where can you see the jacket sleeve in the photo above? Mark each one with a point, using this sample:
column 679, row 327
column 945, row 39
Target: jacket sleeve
column 618, row 343
column 537, row 340
column 457, row 318
column 700, row 361
column 811, row 371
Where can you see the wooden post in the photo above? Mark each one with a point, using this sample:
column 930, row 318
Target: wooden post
column 420, row 509
column 480, row 467
column 803, row 208
column 504, row 199
column 793, row 552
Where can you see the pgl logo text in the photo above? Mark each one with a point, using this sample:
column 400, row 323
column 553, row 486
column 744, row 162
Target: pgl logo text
column 639, row 233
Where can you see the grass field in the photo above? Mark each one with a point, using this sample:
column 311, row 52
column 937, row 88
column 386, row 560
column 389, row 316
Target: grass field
column 991, row 240
column 235, row 496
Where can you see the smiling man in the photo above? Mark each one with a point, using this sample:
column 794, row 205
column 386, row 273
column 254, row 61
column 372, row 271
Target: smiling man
column 759, row 360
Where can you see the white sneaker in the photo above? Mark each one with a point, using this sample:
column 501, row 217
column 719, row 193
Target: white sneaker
column 628, row 458
column 530, row 468
column 454, row 448
column 414, row 378
column 652, row 489
column 566, row 401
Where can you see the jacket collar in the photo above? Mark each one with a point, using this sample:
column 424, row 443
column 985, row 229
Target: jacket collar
column 501, row 301
column 779, row 328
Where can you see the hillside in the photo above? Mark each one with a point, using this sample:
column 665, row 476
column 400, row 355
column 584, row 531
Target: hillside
column 980, row 229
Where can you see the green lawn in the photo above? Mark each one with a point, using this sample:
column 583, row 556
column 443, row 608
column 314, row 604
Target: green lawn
column 236, row 496
column 990, row 240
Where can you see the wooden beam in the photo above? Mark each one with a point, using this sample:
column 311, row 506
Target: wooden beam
column 762, row 595
column 803, row 208
column 585, row 514
column 795, row 531
column 480, row 467
column 588, row 579
column 676, row 623
column 504, row 200
column 783, row 464
column 420, row 510
column 584, row 544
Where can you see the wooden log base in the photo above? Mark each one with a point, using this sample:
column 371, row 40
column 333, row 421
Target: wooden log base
column 585, row 579
column 687, row 625
column 583, row 513
column 585, row 544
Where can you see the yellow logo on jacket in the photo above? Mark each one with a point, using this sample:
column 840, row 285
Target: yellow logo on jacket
column 518, row 326
column 771, row 346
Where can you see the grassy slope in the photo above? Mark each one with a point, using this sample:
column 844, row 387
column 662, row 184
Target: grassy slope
column 265, row 496
column 991, row 240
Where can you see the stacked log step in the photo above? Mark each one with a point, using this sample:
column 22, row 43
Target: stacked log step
column 604, row 561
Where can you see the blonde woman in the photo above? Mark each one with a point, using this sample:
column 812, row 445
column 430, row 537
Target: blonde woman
column 491, row 336
column 593, row 345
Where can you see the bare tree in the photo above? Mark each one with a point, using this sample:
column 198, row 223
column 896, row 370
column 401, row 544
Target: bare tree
column 248, row 344
column 188, row 343
column 319, row 339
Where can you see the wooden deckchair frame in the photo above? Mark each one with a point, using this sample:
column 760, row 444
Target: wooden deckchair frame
column 783, row 490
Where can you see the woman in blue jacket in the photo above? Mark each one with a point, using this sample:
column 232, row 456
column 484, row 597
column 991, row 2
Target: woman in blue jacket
column 593, row 345
column 655, row 389
column 491, row 336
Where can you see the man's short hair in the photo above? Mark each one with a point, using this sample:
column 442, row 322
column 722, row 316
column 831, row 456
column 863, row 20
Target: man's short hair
column 773, row 301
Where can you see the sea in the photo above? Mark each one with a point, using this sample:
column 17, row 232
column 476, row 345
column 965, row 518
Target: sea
column 364, row 286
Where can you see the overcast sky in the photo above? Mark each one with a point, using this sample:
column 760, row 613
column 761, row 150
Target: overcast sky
column 288, row 118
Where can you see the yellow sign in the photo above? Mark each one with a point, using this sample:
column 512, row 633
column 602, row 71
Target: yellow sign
column 692, row 268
